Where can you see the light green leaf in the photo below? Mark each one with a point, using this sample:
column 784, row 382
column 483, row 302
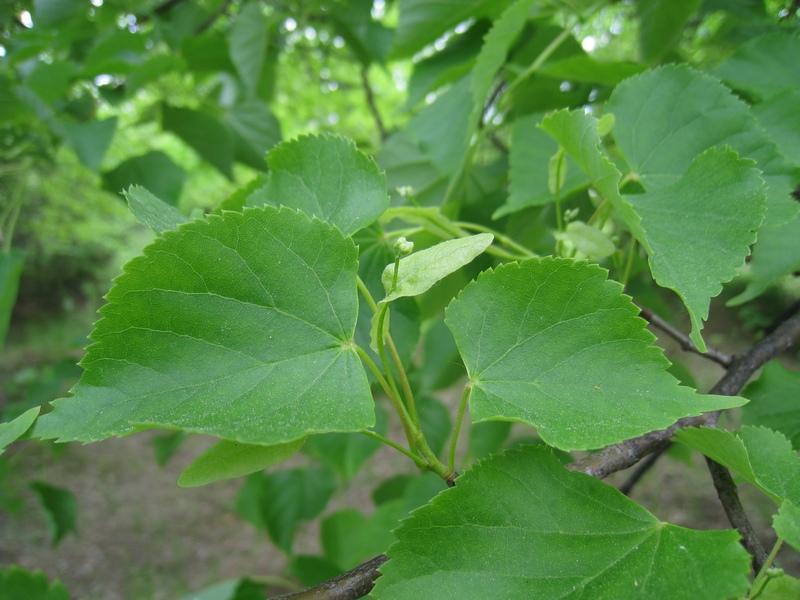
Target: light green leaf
column 154, row 170
column 248, row 43
column 90, row 140
column 776, row 254
column 429, row 217
column 204, row 134
column 61, row 508
column 787, row 524
column 326, row 176
column 280, row 501
column 17, row 583
column 761, row 456
column 227, row 460
column 781, row 588
column 421, row 270
column 522, row 526
column 667, row 116
column 553, row 343
column 588, row 240
column 255, row 129
column 11, row 431
column 11, row 263
column 763, row 66
column 661, row 25
column 698, row 231
column 773, row 401
column 422, row 21
column 153, row 212
column 239, row 326
column 348, row 537
column 583, row 67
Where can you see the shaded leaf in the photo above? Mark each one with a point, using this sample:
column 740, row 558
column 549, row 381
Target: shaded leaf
column 153, row 212
column 553, row 343
column 243, row 351
column 227, row 460
column 773, row 402
column 487, row 438
column 166, row 445
column 328, row 177
column 521, row 525
column 255, row 129
column 661, row 25
column 348, row 537
column 90, row 140
column 11, row 431
column 154, row 171
column 434, row 420
column 407, row 166
column 248, row 42
column 61, row 508
column 204, row 134
column 312, row 570
column 11, row 263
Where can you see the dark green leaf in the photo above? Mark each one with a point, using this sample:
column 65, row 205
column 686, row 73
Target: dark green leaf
column 61, row 508
column 583, row 67
column 90, row 140
column 255, row 129
column 153, row 212
column 487, row 438
column 407, row 166
column 773, row 402
column 205, row 134
column 52, row 13
column 154, row 170
column 166, row 445
column 17, row 583
column 348, row 537
column 11, row 263
column 248, row 44
column 434, row 420
column 552, row 343
column 312, row 570
column 661, row 26
column 208, row 52
column 391, row 489
column 239, row 326
column 326, row 176
column 522, row 526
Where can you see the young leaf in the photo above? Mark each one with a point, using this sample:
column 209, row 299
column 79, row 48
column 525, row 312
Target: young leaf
column 239, row 326
column 11, row 431
column 421, row 270
column 226, row 460
column 553, row 343
column 521, row 525
column 717, row 204
column 61, row 508
column 326, row 176
column 17, row 583
column 153, row 212
column 773, row 401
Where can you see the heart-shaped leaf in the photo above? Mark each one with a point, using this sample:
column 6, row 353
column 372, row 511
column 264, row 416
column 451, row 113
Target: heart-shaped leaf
column 240, row 326
column 553, row 343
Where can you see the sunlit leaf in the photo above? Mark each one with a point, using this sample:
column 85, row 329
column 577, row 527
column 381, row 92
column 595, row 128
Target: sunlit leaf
column 239, row 326
column 521, row 526
column 553, row 343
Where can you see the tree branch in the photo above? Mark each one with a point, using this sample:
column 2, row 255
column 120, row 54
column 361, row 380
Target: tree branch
column 683, row 339
column 603, row 463
column 729, row 497
column 373, row 107
column 347, row 586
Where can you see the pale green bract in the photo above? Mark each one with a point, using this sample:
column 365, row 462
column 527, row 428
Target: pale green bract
column 553, row 343
column 522, row 526
column 239, row 326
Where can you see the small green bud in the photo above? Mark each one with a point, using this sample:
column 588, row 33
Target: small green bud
column 402, row 247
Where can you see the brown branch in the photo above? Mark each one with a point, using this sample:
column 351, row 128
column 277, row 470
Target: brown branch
column 683, row 339
column 373, row 107
column 729, row 497
column 347, row 586
column 603, row 463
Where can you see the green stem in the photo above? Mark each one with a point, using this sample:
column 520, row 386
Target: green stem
column 540, row 60
column 600, row 208
column 451, row 459
column 762, row 577
column 367, row 296
column 409, row 395
column 629, row 262
column 500, row 237
column 420, row 462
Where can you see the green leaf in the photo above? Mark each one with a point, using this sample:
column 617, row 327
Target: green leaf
column 761, row 456
column 487, row 438
column 204, row 134
column 434, row 419
column 406, row 166
column 153, row 212
column 17, row 583
column 11, row 263
column 587, row 240
column 248, row 43
column 667, row 116
column 779, row 116
column 228, row 460
column 773, row 402
column 154, row 170
column 421, row 21
column 787, row 524
column 421, row 270
column 531, row 149
column 166, row 445
column 326, row 176
column 348, row 537
column 698, row 231
column 521, row 526
column 661, row 26
column 781, row 588
column 553, row 343
column 61, row 508
column 255, row 129
column 52, row 13
column 583, row 67
column 207, row 53
column 257, row 349
column 764, row 66
column 280, row 501
column 90, row 140
column 312, row 570
column 11, row 431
